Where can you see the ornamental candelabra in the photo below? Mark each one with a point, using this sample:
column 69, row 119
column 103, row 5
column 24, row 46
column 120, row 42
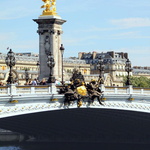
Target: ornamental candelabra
column 101, row 67
column 62, row 53
column 51, row 64
column 128, row 69
column 10, row 61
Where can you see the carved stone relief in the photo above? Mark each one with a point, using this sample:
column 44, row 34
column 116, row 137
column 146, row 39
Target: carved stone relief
column 47, row 44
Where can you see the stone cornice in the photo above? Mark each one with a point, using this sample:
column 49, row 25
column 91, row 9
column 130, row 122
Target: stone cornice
column 49, row 21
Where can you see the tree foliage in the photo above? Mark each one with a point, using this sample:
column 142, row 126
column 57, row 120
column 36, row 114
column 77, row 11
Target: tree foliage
column 139, row 81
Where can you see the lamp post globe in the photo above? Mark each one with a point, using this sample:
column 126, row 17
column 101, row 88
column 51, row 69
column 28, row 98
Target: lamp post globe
column 62, row 49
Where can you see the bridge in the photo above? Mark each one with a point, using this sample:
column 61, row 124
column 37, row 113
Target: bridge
column 39, row 111
column 31, row 99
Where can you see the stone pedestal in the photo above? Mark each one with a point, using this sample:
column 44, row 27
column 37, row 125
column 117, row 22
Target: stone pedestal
column 102, row 87
column 49, row 30
column 130, row 89
column 12, row 89
column 53, row 89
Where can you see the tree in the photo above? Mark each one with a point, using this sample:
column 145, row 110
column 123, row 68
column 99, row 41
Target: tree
column 139, row 81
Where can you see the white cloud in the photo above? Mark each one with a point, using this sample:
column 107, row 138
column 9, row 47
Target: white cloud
column 131, row 3
column 78, row 6
column 131, row 22
column 137, row 50
column 7, row 36
column 129, row 35
column 27, row 45
column 11, row 40
column 125, row 35
column 17, row 9
column 7, row 39
column 139, row 56
column 96, row 29
column 71, row 41
column 15, row 13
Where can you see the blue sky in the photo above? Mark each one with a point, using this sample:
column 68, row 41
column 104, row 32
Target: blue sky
column 92, row 25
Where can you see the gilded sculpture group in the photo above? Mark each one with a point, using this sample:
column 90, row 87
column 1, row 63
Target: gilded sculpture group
column 79, row 90
column 50, row 7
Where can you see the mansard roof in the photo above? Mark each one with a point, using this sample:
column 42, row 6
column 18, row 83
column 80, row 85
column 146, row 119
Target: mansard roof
column 87, row 56
column 33, row 58
column 108, row 57
column 140, row 70
column 75, row 61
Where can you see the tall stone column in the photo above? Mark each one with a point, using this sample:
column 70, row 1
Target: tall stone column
column 49, row 30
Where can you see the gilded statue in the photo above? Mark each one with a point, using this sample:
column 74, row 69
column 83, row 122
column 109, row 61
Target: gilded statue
column 50, row 7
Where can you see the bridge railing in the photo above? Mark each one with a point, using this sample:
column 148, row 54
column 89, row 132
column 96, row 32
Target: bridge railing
column 126, row 90
column 4, row 90
column 116, row 90
column 32, row 89
column 23, row 90
column 141, row 90
column 47, row 89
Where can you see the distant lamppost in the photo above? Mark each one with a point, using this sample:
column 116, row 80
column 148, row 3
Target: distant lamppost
column 79, row 67
column 128, row 69
column 51, row 64
column 26, row 75
column 38, row 67
column 62, row 53
column 100, row 67
column 10, row 61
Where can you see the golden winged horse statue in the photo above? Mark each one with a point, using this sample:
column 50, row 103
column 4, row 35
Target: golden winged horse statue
column 50, row 7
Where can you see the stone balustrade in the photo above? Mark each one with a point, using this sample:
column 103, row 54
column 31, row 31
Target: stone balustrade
column 47, row 89
column 127, row 90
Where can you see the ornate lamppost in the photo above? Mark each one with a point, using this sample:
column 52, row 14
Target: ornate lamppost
column 62, row 53
column 128, row 69
column 26, row 75
column 51, row 64
column 100, row 67
column 10, row 61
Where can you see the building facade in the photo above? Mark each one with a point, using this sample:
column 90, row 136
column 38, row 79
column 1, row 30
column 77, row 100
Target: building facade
column 114, row 65
column 24, row 61
column 141, row 71
column 71, row 64
column 29, row 62
column 86, row 64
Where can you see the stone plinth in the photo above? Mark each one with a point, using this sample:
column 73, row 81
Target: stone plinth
column 50, row 30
